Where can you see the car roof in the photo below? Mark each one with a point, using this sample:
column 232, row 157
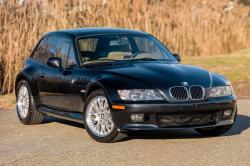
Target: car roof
column 95, row 31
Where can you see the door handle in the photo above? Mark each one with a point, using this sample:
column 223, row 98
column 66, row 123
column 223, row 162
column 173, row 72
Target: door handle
column 42, row 75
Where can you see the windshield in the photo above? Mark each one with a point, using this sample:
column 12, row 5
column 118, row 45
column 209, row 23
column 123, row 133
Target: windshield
column 121, row 47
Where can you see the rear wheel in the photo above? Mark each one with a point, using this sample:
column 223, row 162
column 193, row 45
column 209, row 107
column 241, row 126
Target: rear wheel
column 98, row 120
column 26, row 110
column 216, row 131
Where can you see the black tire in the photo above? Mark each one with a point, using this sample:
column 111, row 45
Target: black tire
column 33, row 116
column 114, row 136
column 216, row 131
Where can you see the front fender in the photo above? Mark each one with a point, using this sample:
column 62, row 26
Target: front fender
column 218, row 80
column 111, row 83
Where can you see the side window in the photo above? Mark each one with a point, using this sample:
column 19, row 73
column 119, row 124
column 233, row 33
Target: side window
column 60, row 48
column 47, row 49
column 71, row 61
column 38, row 53
column 42, row 52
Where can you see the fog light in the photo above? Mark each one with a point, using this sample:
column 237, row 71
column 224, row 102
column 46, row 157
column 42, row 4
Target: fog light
column 137, row 117
column 227, row 113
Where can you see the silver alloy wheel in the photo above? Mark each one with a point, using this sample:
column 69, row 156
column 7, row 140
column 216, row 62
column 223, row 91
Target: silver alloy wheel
column 23, row 101
column 98, row 117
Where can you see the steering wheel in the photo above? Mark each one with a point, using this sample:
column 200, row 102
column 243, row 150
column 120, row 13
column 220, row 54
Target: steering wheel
column 137, row 53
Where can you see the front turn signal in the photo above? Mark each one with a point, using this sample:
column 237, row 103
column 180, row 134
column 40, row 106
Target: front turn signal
column 119, row 107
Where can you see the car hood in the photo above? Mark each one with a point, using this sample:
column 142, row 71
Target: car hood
column 166, row 75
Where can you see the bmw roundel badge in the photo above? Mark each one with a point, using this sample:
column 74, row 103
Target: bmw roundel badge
column 185, row 83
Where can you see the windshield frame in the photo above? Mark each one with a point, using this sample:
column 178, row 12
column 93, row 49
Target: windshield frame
column 158, row 43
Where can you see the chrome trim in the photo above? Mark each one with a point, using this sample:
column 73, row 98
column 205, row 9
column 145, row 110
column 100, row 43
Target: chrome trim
column 177, row 87
column 188, row 93
column 203, row 92
column 162, row 94
column 211, row 81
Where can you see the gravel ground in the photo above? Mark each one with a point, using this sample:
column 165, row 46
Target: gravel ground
column 60, row 142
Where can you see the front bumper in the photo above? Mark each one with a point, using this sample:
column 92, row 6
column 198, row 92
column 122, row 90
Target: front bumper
column 122, row 121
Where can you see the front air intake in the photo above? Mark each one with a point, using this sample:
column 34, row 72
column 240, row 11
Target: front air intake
column 187, row 119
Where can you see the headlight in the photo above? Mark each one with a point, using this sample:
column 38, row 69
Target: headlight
column 220, row 91
column 140, row 94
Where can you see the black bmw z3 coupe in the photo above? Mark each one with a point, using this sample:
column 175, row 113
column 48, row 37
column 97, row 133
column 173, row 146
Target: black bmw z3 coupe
column 117, row 80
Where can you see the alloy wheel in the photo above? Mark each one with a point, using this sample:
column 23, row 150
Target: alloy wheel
column 23, row 102
column 98, row 117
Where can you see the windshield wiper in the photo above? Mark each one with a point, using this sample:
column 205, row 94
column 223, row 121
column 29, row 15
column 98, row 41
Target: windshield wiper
column 144, row 59
column 101, row 60
column 98, row 62
column 96, row 65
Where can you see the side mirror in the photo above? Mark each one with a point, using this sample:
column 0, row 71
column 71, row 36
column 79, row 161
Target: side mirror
column 55, row 62
column 177, row 57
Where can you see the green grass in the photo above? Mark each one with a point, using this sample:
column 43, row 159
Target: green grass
column 234, row 66
column 13, row 101
column 1, row 96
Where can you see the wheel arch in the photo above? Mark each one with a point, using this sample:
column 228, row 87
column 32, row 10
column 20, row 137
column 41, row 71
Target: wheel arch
column 19, row 77
column 93, row 86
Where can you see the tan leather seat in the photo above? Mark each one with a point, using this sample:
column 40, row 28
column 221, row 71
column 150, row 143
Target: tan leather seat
column 145, row 55
column 118, row 55
column 84, row 59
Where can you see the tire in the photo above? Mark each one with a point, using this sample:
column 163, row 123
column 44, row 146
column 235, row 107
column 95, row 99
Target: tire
column 101, row 128
column 26, row 110
column 216, row 131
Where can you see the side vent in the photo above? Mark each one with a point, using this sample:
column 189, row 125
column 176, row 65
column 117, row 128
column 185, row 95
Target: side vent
column 80, row 81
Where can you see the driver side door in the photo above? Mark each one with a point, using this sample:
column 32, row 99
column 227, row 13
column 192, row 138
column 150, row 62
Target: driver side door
column 54, row 86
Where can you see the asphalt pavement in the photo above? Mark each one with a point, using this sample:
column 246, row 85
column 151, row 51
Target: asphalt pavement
column 61, row 142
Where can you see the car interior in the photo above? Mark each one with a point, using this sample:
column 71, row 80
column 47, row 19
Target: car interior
column 111, row 47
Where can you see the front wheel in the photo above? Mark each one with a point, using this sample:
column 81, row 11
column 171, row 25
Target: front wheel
column 216, row 131
column 98, row 120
